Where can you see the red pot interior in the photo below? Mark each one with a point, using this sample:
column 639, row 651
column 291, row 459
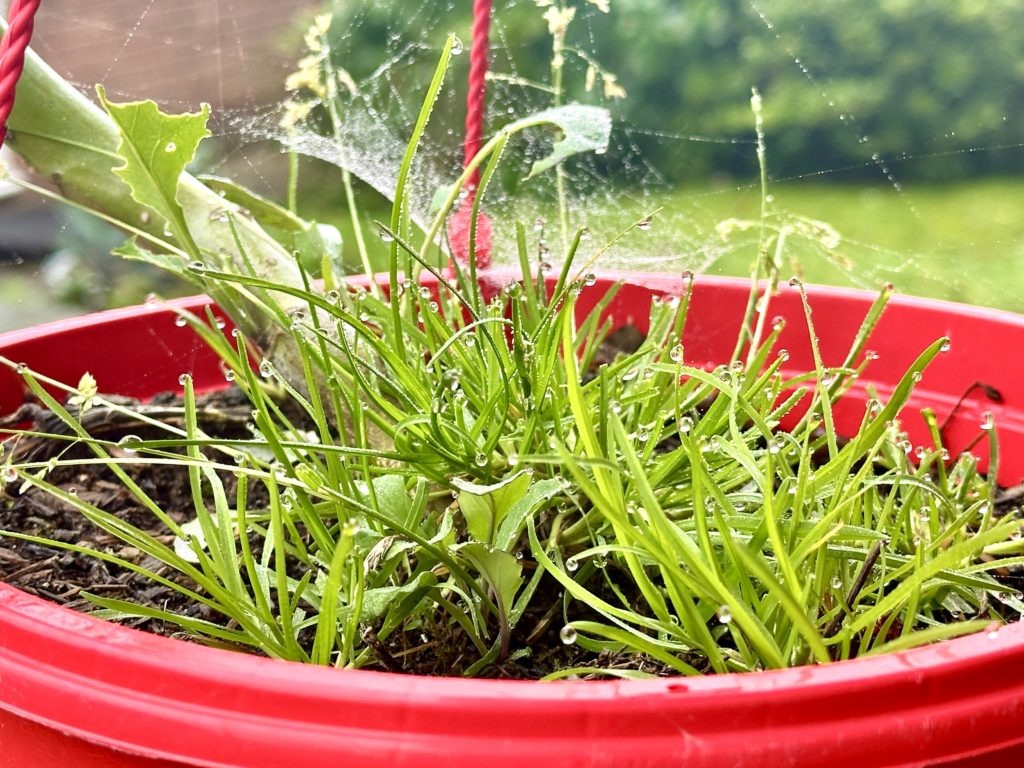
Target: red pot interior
column 92, row 683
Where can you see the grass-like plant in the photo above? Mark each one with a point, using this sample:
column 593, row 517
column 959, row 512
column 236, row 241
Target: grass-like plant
column 447, row 475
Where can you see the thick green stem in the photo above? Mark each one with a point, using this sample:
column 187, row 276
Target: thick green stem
column 71, row 142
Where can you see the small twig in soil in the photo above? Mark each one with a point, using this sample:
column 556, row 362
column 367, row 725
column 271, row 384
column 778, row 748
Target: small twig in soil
column 858, row 585
column 387, row 661
column 991, row 393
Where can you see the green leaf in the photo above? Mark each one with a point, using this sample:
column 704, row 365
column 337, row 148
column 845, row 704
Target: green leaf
column 392, row 498
column 511, row 527
column 500, row 569
column 485, row 506
column 265, row 211
column 584, row 129
column 155, row 148
column 378, row 600
column 132, row 251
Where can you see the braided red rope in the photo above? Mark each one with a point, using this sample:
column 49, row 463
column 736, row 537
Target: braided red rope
column 477, row 93
column 476, row 100
column 12, row 55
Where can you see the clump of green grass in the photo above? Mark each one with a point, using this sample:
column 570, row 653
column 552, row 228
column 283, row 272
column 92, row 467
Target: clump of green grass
column 433, row 467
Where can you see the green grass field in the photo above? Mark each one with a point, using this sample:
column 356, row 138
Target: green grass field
column 962, row 241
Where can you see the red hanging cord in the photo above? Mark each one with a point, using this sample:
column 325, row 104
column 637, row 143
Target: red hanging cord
column 12, row 55
column 476, row 101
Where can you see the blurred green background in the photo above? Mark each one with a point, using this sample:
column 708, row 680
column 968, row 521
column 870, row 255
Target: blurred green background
column 899, row 122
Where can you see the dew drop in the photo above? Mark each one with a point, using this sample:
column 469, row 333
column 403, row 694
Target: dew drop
column 988, row 421
column 920, row 452
column 266, row 369
column 184, row 379
column 676, row 353
column 385, row 235
column 180, row 321
column 568, row 635
column 144, row 217
column 643, row 434
column 457, row 47
column 572, row 564
column 21, row 368
column 795, row 282
column 946, row 346
column 126, row 443
column 645, row 224
column 170, row 147
column 10, row 474
column 480, row 460
column 196, row 266
column 538, row 224
column 724, row 614
column 590, row 279
column 685, row 425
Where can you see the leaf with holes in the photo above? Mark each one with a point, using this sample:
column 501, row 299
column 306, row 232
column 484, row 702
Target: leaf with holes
column 155, row 148
column 584, row 129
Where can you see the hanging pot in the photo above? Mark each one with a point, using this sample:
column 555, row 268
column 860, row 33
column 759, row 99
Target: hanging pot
column 77, row 691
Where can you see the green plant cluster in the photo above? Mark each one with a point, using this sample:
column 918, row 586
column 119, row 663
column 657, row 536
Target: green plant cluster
column 437, row 462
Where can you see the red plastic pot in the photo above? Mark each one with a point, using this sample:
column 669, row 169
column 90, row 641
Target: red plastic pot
column 75, row 691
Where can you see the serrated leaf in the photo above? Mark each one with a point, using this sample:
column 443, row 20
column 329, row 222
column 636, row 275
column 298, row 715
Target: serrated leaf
column 584, row 129
column 155, row 148
column 486, row 506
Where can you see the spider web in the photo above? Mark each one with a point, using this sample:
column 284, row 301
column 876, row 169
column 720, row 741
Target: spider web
column 236, row 56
